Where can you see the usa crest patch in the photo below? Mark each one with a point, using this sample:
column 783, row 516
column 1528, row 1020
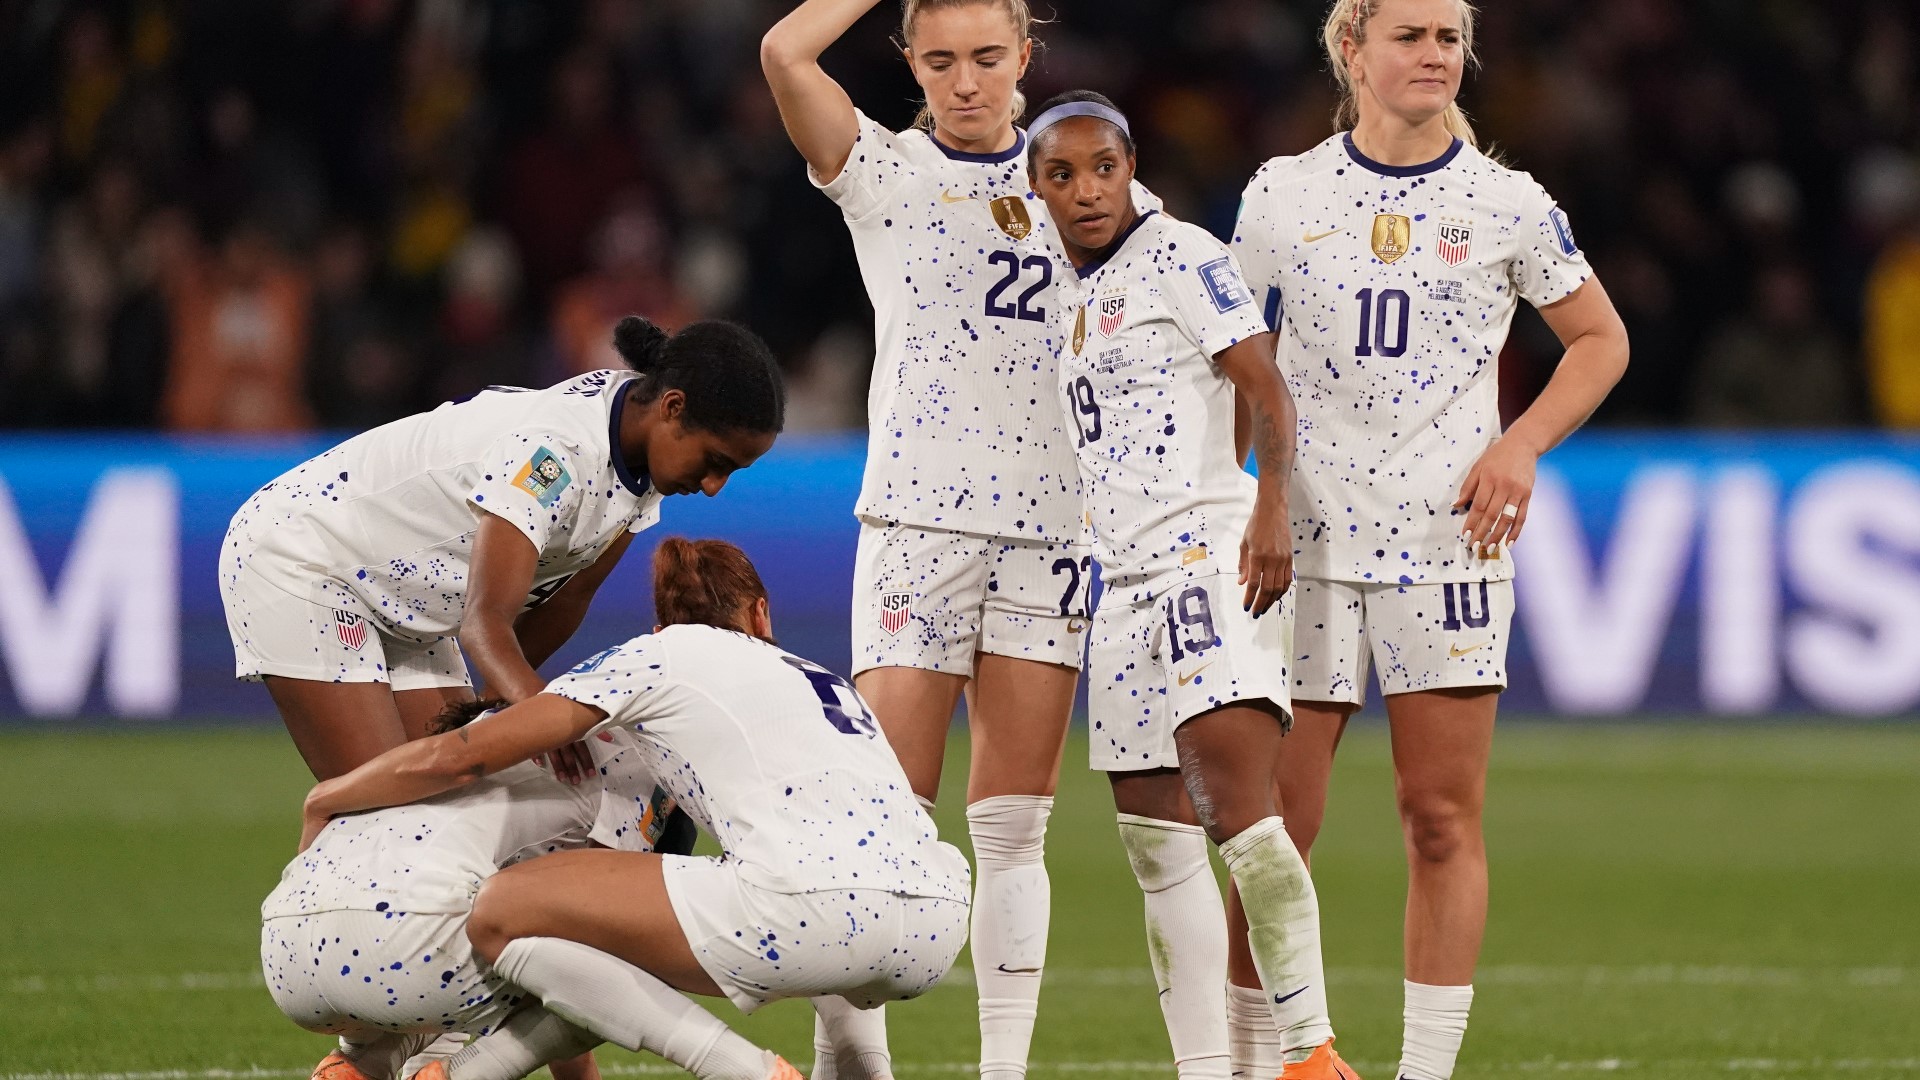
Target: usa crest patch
column 896, row 611
column 1455, row 242
column 1113, row 312
column 543, row 477
column 349, row 629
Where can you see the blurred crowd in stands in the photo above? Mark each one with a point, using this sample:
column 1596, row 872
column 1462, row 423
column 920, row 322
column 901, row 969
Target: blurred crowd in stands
column 275, row 215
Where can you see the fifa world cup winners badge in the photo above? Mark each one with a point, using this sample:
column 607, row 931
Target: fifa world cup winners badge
column 1392, row 236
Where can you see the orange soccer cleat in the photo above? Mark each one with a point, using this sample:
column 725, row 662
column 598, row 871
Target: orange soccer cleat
column 335, row 1067
column 1322, row 1064
column 432, row 1070
column 778, row 1069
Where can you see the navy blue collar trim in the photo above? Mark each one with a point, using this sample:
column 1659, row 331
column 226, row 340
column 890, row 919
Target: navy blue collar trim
column 1019, row 147
column 1371, row 165
column 639, row 485
column 1113, row 249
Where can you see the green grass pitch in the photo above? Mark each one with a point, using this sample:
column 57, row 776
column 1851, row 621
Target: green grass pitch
column 1674, row 902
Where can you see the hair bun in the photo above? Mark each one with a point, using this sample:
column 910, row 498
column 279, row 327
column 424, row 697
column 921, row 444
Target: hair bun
column 639, row 342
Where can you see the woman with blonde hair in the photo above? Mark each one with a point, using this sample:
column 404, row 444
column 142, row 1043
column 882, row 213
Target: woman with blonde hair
column 970, row 563
column 1391, row 258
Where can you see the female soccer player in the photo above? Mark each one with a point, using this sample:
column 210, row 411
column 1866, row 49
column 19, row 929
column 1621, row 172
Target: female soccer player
column 365, row 937
column 1188, row 681
column 353, row 583
column 833, row 880
column 1391, row 258
column 969, row 562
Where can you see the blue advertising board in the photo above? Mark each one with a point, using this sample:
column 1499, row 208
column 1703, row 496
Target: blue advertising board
column 1661, row 574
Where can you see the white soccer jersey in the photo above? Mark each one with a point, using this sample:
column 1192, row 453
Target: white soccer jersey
column 1150, row 413
column 774, row 756
column 390, row 514
column 1396, row 286
column 955, row 255
column 431, row 856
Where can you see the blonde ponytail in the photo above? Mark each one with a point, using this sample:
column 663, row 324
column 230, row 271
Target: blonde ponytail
column 1017, row 10
column 1348, row 21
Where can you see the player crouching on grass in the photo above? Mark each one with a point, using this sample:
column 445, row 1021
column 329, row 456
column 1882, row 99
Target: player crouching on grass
column 365, row 937
column 834, row 883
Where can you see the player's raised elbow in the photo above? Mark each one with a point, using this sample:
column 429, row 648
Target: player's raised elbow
column 779, row 52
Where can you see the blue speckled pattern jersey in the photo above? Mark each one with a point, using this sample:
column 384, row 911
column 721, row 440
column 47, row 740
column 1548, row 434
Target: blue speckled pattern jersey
column 954, row 251
column 1395, row 288
column 389, row 515
column 778, row 759
column 430, row 857
column 1149, row 412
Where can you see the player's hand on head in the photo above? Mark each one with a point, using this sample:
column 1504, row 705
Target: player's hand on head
column 1495, row 495
column 1266, row 556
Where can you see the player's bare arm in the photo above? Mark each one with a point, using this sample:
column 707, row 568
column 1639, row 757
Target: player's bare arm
column 429, row 766
column 501, row 576
column 1596, row 357
column 819, row 115
column 545, row 627
column 1266, row 552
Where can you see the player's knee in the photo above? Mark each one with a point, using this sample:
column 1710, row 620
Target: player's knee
column 1439, row 830
column 488, row 929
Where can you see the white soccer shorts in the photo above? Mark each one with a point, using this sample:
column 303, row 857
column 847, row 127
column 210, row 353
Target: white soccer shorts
column 322, row 637
column 1421, row 637
column 1156, row 664
column 869, row 946
column 932, row 599
column 361, row 973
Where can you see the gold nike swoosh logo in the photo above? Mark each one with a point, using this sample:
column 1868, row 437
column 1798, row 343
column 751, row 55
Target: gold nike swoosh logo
column 1456, row 652
column 1074, row 626
column 1189, row 676
column 1314, row 238
column 950, row 199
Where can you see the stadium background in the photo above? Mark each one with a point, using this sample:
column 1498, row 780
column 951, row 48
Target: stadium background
column 231, row 232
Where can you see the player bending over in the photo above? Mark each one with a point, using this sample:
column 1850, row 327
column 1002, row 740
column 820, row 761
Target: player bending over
column 353, row 583
column 834, row 881
column 1188, row 668
column 1390, row 259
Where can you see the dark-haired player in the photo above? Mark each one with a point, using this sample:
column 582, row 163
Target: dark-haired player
column 354, row 583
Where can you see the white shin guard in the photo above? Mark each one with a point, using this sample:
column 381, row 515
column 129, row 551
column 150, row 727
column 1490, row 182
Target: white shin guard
column 529, row 1039
column 1012, row 905
column 1186, row 939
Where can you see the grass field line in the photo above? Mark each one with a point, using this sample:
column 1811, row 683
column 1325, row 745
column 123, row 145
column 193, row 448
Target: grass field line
column 1498, row 975
column 1540, row 1066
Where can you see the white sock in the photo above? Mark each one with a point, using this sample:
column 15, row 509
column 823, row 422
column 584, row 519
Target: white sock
column 529, row 1039
column 1252, row 1037
column 849, row 1043
column 628, row 1007
column 1186, row 939
column 1012, row 902
column 1436, row 1024
column 1283, row 932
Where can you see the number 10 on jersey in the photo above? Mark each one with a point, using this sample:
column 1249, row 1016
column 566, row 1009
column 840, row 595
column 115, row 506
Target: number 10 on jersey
column 1383, row 328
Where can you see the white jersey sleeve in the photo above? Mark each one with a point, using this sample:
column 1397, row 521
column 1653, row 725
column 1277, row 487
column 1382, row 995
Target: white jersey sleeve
column 1256, row 247
column 1214, row 305
column 875, row 166
column 1548, row 266
column 528, row 481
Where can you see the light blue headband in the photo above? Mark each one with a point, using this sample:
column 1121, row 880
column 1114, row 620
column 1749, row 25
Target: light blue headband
column 1077, row 108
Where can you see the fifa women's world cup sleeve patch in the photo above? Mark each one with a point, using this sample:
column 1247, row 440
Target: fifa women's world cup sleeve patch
column 543, row 477
column 1548, row 264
